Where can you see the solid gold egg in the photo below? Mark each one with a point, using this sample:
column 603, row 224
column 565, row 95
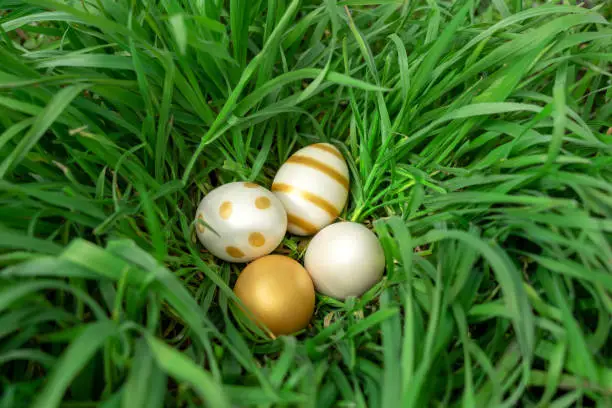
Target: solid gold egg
column 279, row 292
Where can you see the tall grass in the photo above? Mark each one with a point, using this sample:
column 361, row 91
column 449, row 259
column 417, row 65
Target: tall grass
column 478, row 136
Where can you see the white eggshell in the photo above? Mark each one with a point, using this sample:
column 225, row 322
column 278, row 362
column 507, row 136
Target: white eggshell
column 249, row 220
column 344, row 259
column 313, row 186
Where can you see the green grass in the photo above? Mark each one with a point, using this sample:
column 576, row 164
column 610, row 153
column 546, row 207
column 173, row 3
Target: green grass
column 479, row 141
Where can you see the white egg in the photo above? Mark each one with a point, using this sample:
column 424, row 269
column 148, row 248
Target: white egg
column 247, row 219
column 344, row 259
column 313, row 186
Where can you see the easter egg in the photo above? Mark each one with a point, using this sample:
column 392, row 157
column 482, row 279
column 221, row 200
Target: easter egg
column 344, row 259
column 241, row 221
column 313, row 186
column 279, row 293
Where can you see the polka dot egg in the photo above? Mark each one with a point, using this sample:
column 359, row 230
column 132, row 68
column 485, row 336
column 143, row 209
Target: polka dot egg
column 241, row 221
column 313, row 186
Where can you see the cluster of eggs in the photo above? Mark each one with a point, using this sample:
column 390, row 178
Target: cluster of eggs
column 243, row 222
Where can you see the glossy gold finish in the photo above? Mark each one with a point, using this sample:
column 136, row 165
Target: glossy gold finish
column 225, row 210
column 257, row 239
column 313, row 198
column 279, row 292
column 301, row 223
column 262, row 202
column 329, row 149
column 235, row 252
column 322, row 167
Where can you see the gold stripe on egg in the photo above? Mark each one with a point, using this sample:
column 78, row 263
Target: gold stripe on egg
column 322, row 167
column 301, row 223
column 329, row 149
column 313, row 198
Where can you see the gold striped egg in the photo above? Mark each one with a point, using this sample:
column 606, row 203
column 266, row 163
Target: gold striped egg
column 313, row 185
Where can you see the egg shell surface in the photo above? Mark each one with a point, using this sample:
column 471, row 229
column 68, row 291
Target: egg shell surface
column 344, row 259
column 248, row 219
column 278, row 291
column 313, row 185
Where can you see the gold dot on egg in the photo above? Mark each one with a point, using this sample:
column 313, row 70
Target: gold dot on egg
column 225, row 210
column 256, row 239
column 235, row 252
column 248, row 184
column 262, row 202
column 199, row 226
